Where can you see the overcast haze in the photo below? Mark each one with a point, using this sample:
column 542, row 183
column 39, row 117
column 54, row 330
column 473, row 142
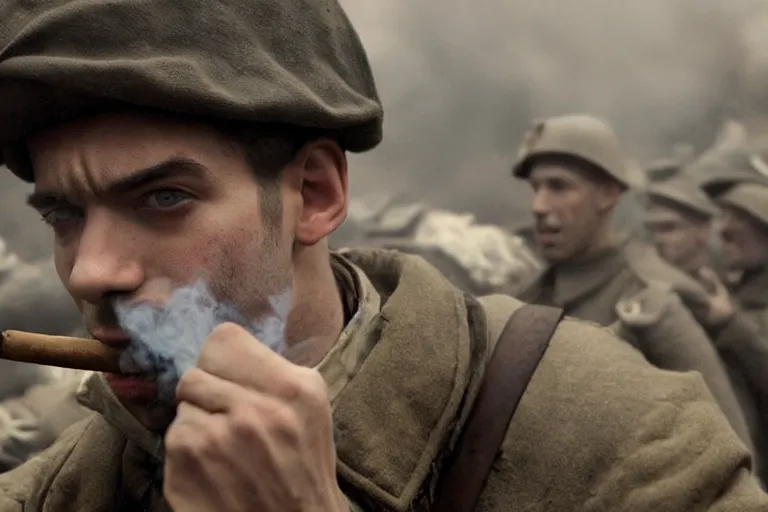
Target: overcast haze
column 461, row 80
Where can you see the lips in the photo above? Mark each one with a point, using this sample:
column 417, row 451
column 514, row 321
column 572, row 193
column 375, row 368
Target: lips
column 111, row 336
column 132, row 387
column 546, row 235
column 116, row 338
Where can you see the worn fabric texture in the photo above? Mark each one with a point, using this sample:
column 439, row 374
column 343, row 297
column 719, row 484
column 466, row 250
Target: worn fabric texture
column 655, row 322
column 297, row 63
column 599, row 429
column 625, row 287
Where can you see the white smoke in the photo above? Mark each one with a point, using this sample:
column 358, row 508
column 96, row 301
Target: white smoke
column 490, row 255
column 167, row 339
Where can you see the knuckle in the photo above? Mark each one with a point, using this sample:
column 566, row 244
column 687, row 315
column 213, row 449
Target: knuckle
column 283, row 423
column 223, row 338
column 308, row 387
column 190, row 447
column 190, row 381
column 246, row 426
column 225, row 333
column 179, row 444
column 214, row 441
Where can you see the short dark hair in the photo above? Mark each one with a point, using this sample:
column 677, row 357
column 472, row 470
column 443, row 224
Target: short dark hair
column 268, row 150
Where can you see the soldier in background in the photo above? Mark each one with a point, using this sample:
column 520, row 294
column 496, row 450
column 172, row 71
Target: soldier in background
column 743, row 338
column 37, row 403
column 597, row 427
column 679, row 219
column 578, row 171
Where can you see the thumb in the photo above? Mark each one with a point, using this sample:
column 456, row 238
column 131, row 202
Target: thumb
column 715, row 285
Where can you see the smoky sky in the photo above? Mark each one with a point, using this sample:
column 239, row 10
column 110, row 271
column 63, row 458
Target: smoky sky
column 460, row 81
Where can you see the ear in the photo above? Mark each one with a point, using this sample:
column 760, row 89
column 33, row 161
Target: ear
column 324, row 190
column 607, row 196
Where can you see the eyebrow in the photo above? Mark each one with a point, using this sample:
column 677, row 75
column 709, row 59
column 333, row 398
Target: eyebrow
column 173, row 167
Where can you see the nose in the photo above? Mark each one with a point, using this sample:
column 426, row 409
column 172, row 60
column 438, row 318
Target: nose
column 106, row 262
column 723, row 224
column 540, row 206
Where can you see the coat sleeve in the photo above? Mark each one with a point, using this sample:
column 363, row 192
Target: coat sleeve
column 742, row 343
column 680, row 457
column 670, row 338
column 601, row 430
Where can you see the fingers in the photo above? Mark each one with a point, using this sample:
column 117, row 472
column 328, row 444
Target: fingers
column 707, row 274
column 710, row 276
column 233, row 354
column 208, row 392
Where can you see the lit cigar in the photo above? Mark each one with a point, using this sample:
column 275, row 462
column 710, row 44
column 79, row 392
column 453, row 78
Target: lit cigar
column 61, row 351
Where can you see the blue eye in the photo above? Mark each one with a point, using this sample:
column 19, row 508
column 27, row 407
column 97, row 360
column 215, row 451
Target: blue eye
column 167, row 199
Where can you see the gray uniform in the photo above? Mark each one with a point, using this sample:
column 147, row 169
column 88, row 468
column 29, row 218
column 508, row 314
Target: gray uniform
column 626, row 288
column 743, row 342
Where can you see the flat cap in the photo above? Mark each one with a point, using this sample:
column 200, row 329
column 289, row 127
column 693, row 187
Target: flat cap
column 682, row 192
column 287, row 62
column 719, row 171
column 751, row 198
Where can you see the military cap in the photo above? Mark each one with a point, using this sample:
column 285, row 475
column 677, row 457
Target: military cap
column 718, row 171
column 681, row 192
column 662, row 169
column 751, row 198
column 665, row 168
column 577, row 136
column 295, row 63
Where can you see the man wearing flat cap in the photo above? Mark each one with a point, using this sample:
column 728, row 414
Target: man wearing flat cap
column 175, row 138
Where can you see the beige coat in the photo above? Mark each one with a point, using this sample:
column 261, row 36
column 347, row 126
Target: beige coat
column 631, row 289
column 599, row 429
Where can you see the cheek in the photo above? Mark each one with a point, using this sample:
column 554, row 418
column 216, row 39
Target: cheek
column 659, row 238
column 63, row 259
column 207, row 244
column 579, row 215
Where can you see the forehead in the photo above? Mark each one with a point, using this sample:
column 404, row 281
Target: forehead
column 90, row 153
column 559, row 171
column 732, row 212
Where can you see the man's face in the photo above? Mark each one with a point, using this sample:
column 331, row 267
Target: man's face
column 679, row 238
column 140, row 205
column 570, row 207
column 744, row 240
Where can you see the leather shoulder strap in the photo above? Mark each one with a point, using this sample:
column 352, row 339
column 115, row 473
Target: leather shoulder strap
column 521, row 346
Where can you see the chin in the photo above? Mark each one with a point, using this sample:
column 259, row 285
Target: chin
column 553, row 255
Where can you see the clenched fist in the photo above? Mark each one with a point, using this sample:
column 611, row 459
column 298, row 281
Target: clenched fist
column 253, row 433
